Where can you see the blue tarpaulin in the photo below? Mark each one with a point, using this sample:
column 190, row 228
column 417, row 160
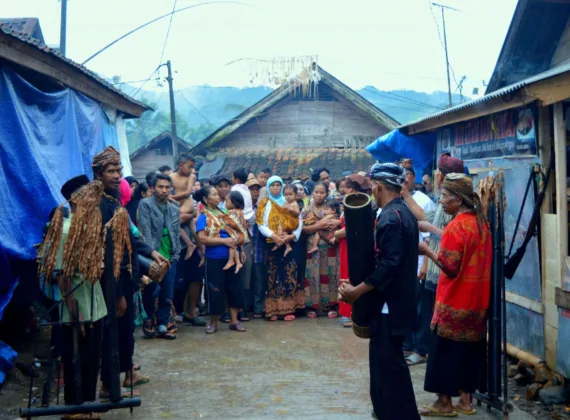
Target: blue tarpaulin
column 394, row 146
column 45, row 139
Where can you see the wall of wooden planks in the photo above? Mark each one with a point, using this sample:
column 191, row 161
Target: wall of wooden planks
column 299, row 123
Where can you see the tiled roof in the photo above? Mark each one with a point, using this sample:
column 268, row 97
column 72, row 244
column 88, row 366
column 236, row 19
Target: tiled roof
column 11, row 31
column 293, row 164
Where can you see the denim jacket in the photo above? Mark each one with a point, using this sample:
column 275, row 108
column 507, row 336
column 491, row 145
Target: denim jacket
column 153, row 216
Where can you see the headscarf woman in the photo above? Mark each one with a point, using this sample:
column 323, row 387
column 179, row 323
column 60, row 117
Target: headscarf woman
column 322, row 272
column 459, row 321
column 284, row 293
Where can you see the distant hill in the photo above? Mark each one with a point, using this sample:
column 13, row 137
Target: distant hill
column 202, row 109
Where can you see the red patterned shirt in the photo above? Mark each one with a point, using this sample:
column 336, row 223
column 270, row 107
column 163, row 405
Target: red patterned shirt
column 463, row 294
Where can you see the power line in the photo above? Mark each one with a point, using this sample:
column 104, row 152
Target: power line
column 196, row 109
column 145, row 82
column 405, row 100
column 167, row 32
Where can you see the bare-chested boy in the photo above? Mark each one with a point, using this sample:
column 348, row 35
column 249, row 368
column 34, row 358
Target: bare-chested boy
column 183, row 182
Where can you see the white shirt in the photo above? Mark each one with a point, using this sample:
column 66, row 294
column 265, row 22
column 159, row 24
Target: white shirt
column 264, row 228
column 426, row 205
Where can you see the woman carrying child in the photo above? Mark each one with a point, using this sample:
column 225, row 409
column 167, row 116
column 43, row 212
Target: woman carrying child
column 284, row 296
column 236, row 228
column 322, row 273
column 221, row 284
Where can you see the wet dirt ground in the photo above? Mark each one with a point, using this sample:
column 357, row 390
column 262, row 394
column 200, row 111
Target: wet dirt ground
column 309, row 369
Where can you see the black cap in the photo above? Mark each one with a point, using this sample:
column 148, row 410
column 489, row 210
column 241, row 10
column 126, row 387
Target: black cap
column 222, row 177
column 73, row 185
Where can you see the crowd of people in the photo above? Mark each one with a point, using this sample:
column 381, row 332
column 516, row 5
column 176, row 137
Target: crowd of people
column 244, row 244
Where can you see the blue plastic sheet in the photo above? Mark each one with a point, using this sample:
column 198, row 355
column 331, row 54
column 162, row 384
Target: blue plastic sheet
column 395, row 145
column 45, row 139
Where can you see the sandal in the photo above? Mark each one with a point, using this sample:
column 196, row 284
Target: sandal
column 312, row 314
column 81, row 416
column 434, row 412
column 257, row 316
column 273, row 318
column 148, row 328
column 415, row 359
column 332, row 314
column 167, row 335
column 242, row 316
column 141, row 381
column 465, row 412
column 289, row 318
column 211, row 329
column 237, row 327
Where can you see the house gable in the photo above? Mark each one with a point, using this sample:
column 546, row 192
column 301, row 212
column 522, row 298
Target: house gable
column 156, row 153
column 303, row 122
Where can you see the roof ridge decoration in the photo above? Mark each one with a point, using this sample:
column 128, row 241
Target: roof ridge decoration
column 279, row 94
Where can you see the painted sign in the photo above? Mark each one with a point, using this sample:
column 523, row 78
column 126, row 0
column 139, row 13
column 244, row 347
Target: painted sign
column 507, row 133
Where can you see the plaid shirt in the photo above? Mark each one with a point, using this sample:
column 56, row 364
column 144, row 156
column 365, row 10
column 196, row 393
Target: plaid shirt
column 258, row 243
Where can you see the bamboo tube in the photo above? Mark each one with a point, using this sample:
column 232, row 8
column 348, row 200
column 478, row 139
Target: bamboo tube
column 526, row 357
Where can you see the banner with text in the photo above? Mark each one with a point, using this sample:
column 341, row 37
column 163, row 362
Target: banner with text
column 507, row 133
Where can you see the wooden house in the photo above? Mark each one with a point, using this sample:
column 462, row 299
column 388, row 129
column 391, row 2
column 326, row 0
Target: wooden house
column 154, row 154
column 293, row 133
column 527, row 107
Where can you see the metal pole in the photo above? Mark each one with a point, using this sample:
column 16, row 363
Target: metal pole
column 63, row 28
column 446, row 57
column 172, row 113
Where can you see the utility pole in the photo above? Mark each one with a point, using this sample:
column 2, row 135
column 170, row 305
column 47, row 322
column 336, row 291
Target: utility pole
column 170, row 81
column 63, row 28
column 442, row 7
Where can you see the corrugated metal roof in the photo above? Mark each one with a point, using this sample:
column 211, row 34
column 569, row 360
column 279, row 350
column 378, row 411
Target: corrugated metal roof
column 9, row 30
column 498, row 93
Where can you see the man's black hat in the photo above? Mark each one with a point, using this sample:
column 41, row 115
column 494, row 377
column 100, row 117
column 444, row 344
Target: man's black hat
column 73, row 185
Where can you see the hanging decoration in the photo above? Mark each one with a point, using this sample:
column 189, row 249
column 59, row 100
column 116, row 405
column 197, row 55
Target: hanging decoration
column 298, row 74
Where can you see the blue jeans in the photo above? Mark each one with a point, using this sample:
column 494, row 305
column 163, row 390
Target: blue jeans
column 165, row 296
column 418, row 341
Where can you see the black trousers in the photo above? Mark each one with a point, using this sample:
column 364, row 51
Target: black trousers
column 126, row 340
column 391, row 389
column 82, row 388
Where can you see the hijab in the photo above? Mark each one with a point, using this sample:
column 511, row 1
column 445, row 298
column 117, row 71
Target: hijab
column 279, row 199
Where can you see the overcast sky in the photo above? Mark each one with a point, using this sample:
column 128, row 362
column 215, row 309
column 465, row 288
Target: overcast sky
column 389, row 44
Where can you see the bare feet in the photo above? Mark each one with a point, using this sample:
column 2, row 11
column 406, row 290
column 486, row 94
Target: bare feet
column 230, row 264
column 137, row 379
column 313, row 249
column 189, row 251
column 288, row 249
column 238, row 267
column 442, row 405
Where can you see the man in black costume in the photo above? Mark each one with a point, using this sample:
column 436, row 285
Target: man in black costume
column 394, row 285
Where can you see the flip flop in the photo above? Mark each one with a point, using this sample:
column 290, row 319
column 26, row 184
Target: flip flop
column 237, row 327
column 415, row 359
column 312, row 314
column 81, row 416
column 332, row 314
column 289, row 318
column 210, row 329
column 242, row 316
column 434, row 412
column 167, row 335
column 141, row 381
column 257, row 316
column 465, row 412
column 273, row 318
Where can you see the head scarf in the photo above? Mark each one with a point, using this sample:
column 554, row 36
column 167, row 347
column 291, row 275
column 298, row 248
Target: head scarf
column 125, row 191
column 279, row 199
column 461, row 185
column 388, row 172
column 131, row 179
column 109, row 156
column 448, row 164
